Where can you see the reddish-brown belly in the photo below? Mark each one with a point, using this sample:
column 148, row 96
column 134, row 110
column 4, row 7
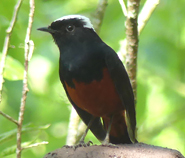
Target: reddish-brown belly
column 99, row 98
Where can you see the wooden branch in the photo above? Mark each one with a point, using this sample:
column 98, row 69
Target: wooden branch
column 9, row 118
column 143, row 18
column 138, row 150
column 72, row 127
column 123, row 7
column 132, row 41
column 35, row 145
column 25, row 79
column 6, row 44
column 81, row 128
column 99, row 14
column 146, row 13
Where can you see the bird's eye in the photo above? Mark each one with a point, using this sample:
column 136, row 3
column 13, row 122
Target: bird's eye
column 70, row 28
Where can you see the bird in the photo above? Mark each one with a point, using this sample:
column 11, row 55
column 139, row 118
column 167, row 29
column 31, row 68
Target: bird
column 95, row 80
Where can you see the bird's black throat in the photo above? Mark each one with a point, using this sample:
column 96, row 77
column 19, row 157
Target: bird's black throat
column 81, row 62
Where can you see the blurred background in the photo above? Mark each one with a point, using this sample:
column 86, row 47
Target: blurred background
column 161, row 74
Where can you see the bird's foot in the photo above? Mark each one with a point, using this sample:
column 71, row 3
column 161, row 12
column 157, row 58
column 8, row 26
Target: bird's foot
column 107, row 144
column 106, row 141
column 83, row 144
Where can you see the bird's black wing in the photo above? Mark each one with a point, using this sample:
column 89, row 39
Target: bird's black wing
column 123, row 86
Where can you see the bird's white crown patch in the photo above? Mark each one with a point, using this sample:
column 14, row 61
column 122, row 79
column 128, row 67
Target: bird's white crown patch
column 85, row 20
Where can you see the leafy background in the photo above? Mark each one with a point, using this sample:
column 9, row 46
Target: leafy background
column 161, row 75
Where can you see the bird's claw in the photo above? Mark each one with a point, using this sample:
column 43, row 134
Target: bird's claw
column 83, row 144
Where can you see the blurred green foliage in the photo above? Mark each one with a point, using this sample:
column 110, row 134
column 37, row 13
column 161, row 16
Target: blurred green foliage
column 161, row 74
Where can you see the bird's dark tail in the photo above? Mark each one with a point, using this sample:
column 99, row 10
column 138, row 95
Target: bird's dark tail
column 119, row 132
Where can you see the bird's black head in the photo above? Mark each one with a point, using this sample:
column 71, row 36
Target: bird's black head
column 68, row 28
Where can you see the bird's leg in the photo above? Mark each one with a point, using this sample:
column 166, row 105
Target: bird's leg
column 106, row 140
column 88, row 127
column 82, row 142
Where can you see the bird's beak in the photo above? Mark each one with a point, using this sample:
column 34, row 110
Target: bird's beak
column 46, row 29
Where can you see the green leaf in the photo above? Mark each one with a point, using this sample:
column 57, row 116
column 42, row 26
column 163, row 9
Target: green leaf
column 13, row 69
column 26, row 128
column 8, row 151
column 25, row 145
